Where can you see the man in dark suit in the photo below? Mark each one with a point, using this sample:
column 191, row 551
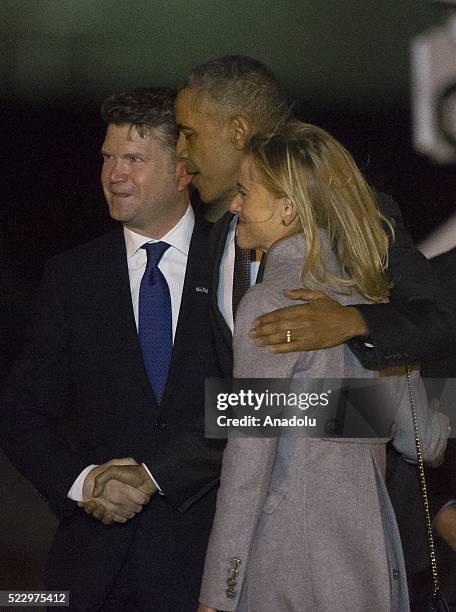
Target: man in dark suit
column 135, row 369
column 442, row 495
column 224, row 103
column 403, row 483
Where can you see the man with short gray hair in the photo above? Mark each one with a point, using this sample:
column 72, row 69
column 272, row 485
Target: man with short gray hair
column 238, row 85
column 225, row 101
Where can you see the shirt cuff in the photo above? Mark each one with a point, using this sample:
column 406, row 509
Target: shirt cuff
column 153, row 479
column 75, row 493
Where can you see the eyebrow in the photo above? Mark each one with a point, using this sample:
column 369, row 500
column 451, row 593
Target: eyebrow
column 184, row 127
column 124, row 155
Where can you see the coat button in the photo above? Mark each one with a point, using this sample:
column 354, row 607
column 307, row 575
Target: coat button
column 161, row 424
column 396, row 573
column 231, row 593
column 231, row 582
column 333, row 427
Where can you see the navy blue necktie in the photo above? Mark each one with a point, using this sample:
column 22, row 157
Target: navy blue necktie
column 155, row 319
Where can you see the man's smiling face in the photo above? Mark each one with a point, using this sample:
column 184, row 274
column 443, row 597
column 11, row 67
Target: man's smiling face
column 206, row 143
column 141, row 181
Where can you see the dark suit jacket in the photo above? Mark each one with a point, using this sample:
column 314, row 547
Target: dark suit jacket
column 442, row 482
column 416, row 324
column 402, row 479
column 85, row 342
column 444, row 269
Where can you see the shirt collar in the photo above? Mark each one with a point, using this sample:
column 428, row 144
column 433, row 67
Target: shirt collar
column 178, row 236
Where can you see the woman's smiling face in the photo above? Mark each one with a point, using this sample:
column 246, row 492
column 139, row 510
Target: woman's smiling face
column 260, row 215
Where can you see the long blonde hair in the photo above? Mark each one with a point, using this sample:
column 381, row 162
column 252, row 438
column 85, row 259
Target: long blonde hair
column 317, row 174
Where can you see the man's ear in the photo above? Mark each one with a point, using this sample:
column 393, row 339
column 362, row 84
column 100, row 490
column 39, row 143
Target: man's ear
column 182, row 178
column 289, row 212
column 241, row 131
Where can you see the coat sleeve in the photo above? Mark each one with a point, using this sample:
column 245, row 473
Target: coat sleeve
column 417, row 323
column 187, row 467
column 33, row 401
column 247, row 465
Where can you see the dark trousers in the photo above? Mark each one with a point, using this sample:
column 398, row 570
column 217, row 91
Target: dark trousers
column 161, row 565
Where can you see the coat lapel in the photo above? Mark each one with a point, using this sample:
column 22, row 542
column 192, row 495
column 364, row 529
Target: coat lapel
column 216, row 249
column 193, row 304
column 117, row 308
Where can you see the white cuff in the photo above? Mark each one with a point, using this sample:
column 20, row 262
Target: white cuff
column 153, row 479
column 75, row 493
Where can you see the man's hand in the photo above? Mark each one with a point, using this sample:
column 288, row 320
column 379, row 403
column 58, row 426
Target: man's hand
column 320, row 323
column 202, row 608
column 113, row 500
column 133, row 476
column 445, row 525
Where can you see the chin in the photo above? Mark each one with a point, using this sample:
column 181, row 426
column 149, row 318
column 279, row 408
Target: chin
column 247, row 243
column 116, row 215
column 211, row 194
column 204, row 193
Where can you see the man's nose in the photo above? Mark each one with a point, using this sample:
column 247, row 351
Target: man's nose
column 236, row 205
column 118, row 171
column 181, row 147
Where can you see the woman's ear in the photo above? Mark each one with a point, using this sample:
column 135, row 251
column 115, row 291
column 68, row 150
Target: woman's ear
column 289, row 211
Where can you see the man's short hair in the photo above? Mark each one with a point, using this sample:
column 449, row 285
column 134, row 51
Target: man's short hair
column 148, row 109
column 240, row 85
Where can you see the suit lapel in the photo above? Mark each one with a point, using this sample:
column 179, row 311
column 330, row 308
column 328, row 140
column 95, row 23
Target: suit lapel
column 194, row 299
column 116, row 305
column 216, row 250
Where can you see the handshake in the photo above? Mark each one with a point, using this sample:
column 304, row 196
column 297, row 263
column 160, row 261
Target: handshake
column 116, row 491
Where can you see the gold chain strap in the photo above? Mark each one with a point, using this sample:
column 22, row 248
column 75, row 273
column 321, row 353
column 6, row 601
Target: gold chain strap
column 424, row 496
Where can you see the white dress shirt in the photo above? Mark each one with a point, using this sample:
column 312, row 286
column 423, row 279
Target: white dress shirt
column 172, row 265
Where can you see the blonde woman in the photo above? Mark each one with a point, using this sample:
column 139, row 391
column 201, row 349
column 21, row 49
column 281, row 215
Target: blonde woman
column 305, row 524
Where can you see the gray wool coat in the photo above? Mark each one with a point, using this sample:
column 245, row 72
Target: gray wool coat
column 305, row 524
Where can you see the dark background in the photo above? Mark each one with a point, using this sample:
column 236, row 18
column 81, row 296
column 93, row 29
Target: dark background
column 345, row 62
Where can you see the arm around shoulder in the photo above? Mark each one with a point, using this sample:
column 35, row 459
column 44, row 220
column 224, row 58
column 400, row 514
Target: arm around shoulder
column 417, row 323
